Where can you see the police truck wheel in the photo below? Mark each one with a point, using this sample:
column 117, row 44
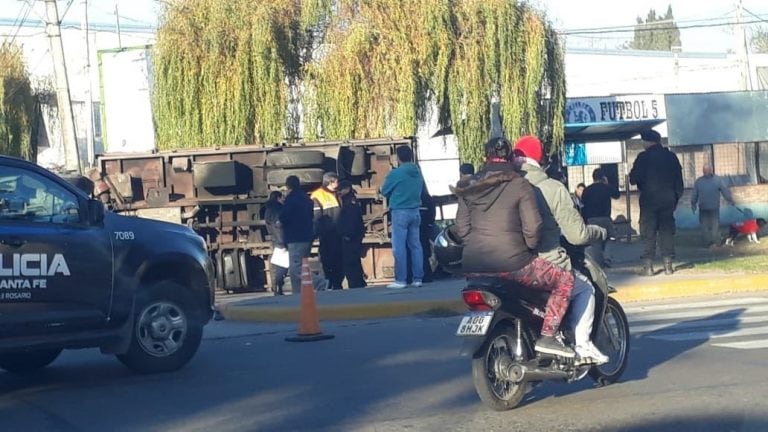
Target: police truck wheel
column 28, row 361
column 167, row 330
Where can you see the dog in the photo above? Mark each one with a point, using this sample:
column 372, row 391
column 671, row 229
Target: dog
column 749, row 228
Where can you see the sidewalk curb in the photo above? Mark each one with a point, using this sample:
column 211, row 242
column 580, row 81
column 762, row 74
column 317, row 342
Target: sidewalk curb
column 711, row 285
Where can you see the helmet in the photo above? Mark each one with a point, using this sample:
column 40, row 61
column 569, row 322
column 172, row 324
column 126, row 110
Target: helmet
column 448, row 251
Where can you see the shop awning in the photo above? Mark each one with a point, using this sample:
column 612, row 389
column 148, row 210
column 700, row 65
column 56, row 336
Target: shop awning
column 608, row 131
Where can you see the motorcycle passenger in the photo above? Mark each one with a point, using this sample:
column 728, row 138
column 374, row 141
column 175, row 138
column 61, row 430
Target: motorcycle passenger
column 560, row 217
column 499, row 223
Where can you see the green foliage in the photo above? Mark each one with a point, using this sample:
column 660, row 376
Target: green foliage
column 759, row 41
column 17, row 104
column 358, row 68
column 657, row 32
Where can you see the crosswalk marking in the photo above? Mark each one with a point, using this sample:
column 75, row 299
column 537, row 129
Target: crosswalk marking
column 695, row 305
column 701, row 313
column 756, row 344
column 736, row 323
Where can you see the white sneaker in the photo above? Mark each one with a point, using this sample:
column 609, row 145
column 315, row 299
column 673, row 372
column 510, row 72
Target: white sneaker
column 397, row 285
column 417, row 284
column 588, row 353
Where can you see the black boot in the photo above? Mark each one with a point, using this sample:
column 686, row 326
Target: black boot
column 668, row 269
column 647, row 267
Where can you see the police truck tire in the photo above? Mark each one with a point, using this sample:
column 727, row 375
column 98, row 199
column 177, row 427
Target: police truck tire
column 296, row 159
column 24, row 362
column 167, row 329
column 309, row 176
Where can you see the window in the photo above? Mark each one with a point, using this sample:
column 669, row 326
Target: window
column 27, row 196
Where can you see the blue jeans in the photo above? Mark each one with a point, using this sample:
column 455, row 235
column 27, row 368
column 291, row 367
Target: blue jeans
column 405, row 236
column 296, row 254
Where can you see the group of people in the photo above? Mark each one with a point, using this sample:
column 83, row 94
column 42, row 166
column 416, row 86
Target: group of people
column 657, row 173
column 332, row 214
column 510, row 219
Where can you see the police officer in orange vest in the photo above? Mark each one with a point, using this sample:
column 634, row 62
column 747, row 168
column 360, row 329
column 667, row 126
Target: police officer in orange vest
column 327, row 211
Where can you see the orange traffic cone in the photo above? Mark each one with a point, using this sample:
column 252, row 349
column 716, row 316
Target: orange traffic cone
column 309, row 324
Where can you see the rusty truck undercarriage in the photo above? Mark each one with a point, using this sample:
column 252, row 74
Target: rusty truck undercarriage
column 220, row 193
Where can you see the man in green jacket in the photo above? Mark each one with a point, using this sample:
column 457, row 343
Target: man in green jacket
column 561, row 217
column 403, row 187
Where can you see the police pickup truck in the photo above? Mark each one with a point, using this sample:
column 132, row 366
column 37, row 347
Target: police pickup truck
column 73, row 275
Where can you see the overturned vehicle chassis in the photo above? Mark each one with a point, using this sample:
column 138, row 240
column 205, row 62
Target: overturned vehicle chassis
column 220, row 193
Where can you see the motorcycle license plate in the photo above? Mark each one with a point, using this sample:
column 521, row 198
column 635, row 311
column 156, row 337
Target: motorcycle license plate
column 475, row 324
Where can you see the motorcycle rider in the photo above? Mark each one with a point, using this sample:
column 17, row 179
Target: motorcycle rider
column 499, row 223
column 560, row 217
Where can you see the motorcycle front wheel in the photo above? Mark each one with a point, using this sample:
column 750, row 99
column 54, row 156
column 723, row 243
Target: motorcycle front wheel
column 612, row 339
column 498, row 351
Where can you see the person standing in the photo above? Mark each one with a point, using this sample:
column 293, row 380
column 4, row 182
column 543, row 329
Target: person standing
column 428, row 213
column 706, row 197
column 352, row 231
column 297, row 220
column 597, row 211
column 403, row 187
column 273, row 208
column 326, row 210
column 659, row 178
column 578, row 193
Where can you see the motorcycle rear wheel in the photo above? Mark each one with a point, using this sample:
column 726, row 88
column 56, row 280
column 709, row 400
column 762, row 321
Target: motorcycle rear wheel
column 495, row 392
column 612, row 339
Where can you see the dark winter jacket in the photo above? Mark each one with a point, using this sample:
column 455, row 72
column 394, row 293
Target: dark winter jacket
column 297, row 218
column 351, row 218
column 659, row 177
column 498, row 220
column 272, row 219
column 597, row 200
column 326, row 210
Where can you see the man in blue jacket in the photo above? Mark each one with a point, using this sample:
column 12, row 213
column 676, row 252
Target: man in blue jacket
column 402, row 187
column 297, row 219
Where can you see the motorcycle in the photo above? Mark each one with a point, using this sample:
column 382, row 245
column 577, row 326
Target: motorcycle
column 503, row 324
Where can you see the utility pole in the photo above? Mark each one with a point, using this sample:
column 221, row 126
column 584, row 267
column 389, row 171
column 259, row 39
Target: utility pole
column 117, row 17
column 743, row 48
column 89, row 96
column 63, row 101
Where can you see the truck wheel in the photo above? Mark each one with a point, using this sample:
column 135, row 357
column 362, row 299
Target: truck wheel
column 296, row 159
column 307, row 176
column 23, row 362
column 166, row 331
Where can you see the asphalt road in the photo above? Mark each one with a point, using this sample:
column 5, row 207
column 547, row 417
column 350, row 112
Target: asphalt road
column 696, row 365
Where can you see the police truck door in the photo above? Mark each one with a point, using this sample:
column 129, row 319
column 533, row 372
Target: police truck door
column 55, row 268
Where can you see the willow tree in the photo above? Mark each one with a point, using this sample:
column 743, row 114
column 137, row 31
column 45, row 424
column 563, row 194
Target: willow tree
column 388, row 61
column 222, row 69
column 17, row 104
column 233, row 72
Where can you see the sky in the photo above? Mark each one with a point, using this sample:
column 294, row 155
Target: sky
column 566, row 15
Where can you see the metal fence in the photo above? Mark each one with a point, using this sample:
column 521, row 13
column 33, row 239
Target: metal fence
column 737, row 163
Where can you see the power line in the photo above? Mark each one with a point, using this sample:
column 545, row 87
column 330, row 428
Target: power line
column 657, row 28
column 697, row 20
column 66, row 10
column 754, row 15
column 21, row 23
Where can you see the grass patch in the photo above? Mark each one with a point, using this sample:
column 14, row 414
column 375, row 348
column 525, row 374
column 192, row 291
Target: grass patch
column 737, row 264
